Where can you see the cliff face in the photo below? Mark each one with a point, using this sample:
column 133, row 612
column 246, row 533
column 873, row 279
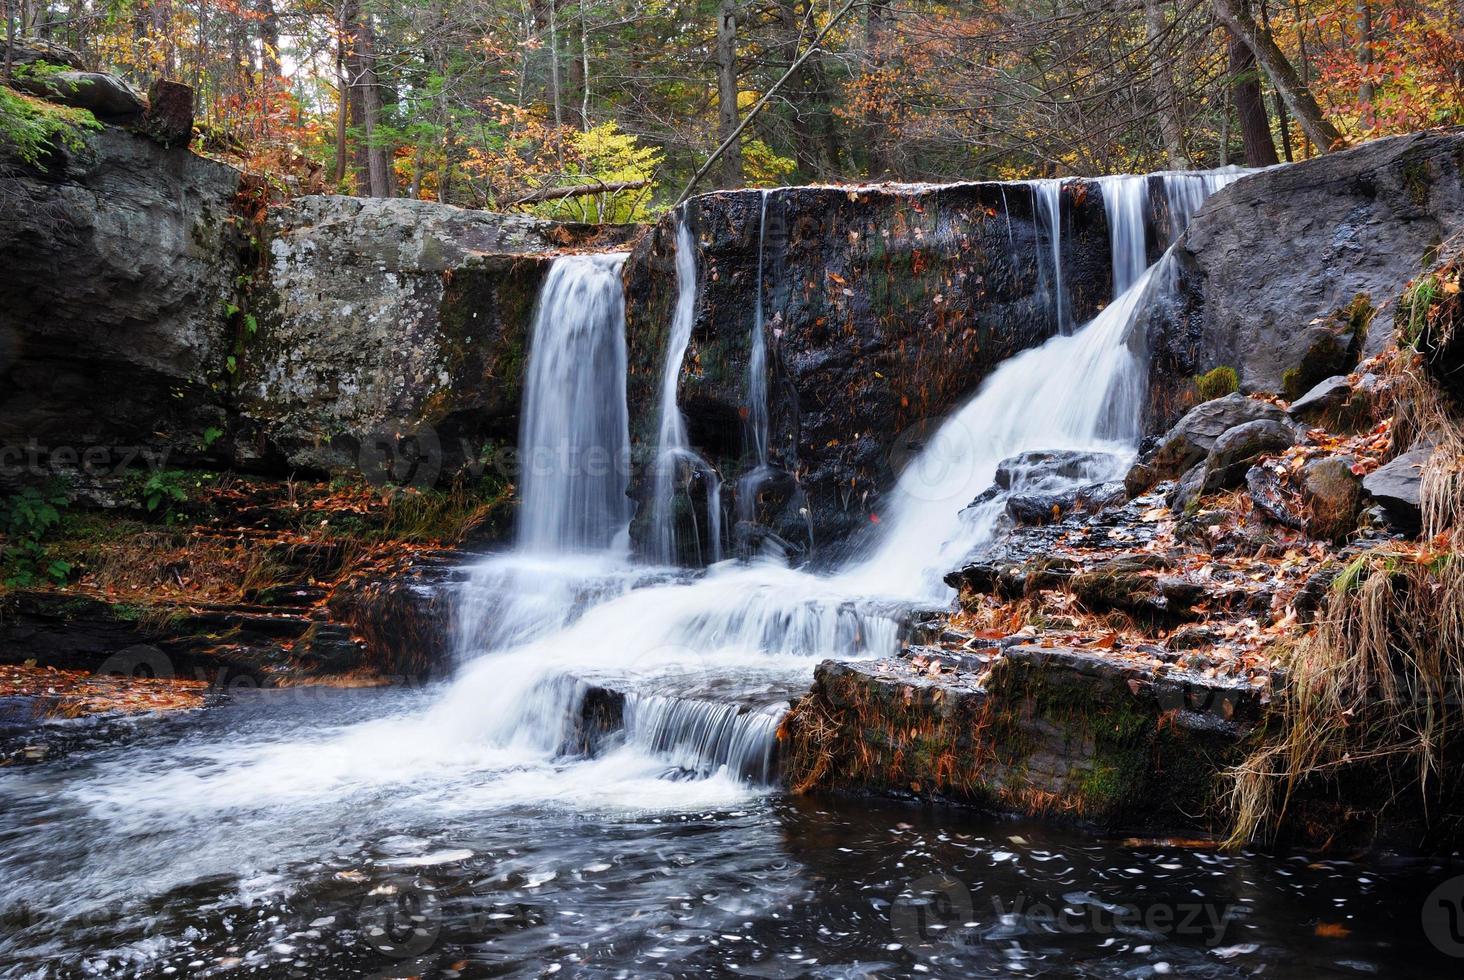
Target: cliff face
column 154, row 312
column 882, row 309
column 1282, row 275
column 116, row 263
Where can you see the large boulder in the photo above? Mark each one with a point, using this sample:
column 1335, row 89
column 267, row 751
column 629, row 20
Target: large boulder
column 105, row 96
column 1279, row 275
column 396, row 320
column 1239, row 448
column 883, row 309
column 118, row 262
column 1191, row 440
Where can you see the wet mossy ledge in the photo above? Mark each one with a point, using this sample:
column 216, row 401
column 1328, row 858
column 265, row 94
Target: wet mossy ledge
column 1042, row 731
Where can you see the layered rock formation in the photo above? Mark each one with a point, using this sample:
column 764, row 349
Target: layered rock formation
column 118, row 261
column 379, row 319
column 883, row 308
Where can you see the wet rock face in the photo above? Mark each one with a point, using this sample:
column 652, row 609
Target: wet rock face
column 883, row 309
column 393, row 328
column 1279, row 274
column 117, row 263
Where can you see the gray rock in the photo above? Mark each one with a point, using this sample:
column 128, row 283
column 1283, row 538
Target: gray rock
column 1325, row 399
column 1194, row 436
column 1333, row 494
column 30, row 50
column 383, row 318
column 105, row 96
column 1239, row 448
column 1269, row 266
column 113, row 344
column 1396, row 485
column 1048, row 468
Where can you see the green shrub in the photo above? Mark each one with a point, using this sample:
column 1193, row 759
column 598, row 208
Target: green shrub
column 33, row 127
column 1217, row 383
column 26, row 518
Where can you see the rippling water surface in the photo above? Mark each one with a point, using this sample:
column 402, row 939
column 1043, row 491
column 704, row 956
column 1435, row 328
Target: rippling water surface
column 204, row 847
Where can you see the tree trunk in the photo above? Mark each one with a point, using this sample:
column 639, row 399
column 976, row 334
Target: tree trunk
column 1250, row 106
column 269, row 44
column 1298, row 98
column 727, row 92
column 1365, row 60
column 1171, row 124
column 373, row 170
column 343, row 93
column 556, row 96
column 876, row 128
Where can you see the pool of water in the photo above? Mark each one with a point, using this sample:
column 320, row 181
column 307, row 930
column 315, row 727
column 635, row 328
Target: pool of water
column 282, row 834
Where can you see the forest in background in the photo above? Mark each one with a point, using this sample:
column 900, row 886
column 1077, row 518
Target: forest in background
column 528, row 104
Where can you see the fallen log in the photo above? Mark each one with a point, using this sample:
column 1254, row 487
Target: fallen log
column 579, row 190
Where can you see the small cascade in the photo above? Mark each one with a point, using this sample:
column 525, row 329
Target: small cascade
column 1126, row 204
column 574, row 448
column 574, row 434
column 698, row 738
column 1047, row 212
column 757, row 385
column 676, row 465
column 1129, row 206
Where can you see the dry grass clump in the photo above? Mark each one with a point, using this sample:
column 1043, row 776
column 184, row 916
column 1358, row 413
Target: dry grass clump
column 1376, row 692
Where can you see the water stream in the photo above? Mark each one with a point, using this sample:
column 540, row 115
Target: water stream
column 594, row 790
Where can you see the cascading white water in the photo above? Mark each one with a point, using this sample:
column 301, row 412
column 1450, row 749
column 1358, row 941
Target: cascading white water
column 757, row 384
column 1128, row 207
column 1047, row 214
column 1126, row 203
column 574, row 452
column 676, row 464
column 574, row 431
column 747, row 635
column 706, row 661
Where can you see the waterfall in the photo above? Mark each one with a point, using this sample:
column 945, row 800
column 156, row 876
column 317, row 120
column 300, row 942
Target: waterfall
column 574, row 451
column 676, row 464
column 703, row 663
column 1128, row 207
column 1126, row 204
column 574, row 431
column 1047, row 214
column 757, row 384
